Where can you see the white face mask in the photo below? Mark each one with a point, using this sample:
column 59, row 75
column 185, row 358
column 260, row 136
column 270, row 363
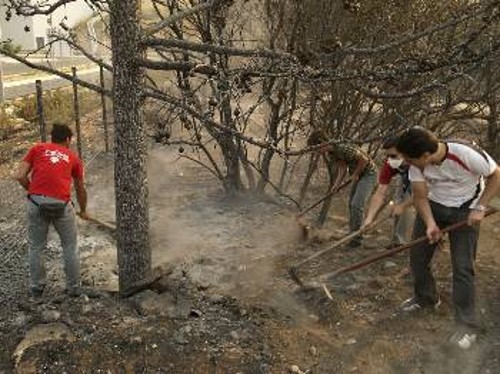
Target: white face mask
column 395, row 163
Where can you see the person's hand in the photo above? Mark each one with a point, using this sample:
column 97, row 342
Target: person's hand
column 475, row 216
column 335, row 187
column 84, row 215
column 368, row 221
column 433, row 233
column 397, row 210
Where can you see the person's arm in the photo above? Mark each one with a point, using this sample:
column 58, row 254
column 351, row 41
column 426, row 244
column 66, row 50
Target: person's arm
column 22, row 173
column 376, row 203
column 360, row 166
column 81, row 197
column 421, row 202
column 399, row 209
column 491, row 188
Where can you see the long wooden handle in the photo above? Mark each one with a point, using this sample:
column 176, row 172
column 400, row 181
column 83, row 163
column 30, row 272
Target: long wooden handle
column 343, row 240
column 392, row 252
column 102, row 223
column 329, row 194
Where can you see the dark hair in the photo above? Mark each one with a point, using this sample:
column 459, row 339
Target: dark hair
column 60, row 133
column 316, row 137
column 416, row 141
column 390, row 142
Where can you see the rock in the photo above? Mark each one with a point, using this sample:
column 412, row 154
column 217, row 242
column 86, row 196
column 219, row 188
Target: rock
column 195, row 313
column 313, row 351
column 86, row 309
column 20, row 319
column 51, row 315
column 295, row 369
column 151, row 303
column 179, row 338
column 390, row 265
column 40, row 334
column 234, row 335
column 351, row 341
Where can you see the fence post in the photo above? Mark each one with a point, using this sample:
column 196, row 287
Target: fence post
column 76, row 111
column 2, row 91
column 39, row 110
column 104, row 113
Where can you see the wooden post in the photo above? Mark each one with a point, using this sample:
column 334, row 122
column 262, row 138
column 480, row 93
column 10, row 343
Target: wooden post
column 104, row 113
column 39, row 110
column 76, row 111
column 2, row 91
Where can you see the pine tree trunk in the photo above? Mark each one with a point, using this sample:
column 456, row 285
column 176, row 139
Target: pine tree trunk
column 131, row 190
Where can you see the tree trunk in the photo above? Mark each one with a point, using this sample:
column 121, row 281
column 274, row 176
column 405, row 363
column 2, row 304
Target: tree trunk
column 493, row 144
column 313, row 165
column 131, row 190
column 269, row 153
column 325, row 208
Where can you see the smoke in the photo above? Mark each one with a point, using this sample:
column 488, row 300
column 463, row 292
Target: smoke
column 227, row 244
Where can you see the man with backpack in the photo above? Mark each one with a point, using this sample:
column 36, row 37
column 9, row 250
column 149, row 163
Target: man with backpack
column 451, row 182
column 47, row 172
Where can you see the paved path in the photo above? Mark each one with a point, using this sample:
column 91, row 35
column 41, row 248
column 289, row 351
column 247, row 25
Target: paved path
column 26, row 86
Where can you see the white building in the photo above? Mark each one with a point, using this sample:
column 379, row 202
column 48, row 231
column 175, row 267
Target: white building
column 32, row 33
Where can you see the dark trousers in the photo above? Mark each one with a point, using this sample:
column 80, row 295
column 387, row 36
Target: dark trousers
column 463, row 246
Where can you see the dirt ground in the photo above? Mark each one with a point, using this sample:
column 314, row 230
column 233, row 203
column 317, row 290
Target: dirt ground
column 225, row 303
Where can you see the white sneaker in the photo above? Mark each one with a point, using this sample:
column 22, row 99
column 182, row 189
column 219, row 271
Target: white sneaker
column 463, row 340
column 412, row 305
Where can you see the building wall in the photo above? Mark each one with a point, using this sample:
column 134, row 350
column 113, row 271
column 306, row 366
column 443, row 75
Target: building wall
column 72, row 14
column 14, row 29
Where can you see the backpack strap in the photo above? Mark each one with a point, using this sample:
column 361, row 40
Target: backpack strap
column 471, row 144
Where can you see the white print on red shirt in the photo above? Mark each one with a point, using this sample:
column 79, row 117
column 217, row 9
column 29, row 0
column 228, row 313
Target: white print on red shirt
column 56, row 156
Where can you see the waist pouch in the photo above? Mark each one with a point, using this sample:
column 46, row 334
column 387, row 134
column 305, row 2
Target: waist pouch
column 50, row 210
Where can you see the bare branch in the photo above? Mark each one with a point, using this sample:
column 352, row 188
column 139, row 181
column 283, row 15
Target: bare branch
column 26, row 9
column 180, row 15
column 197, row 47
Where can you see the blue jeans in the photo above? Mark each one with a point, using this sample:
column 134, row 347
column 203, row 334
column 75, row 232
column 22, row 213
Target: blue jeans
column 403, row 223
column 463, row 246
column 360, row 192
column 38, row 228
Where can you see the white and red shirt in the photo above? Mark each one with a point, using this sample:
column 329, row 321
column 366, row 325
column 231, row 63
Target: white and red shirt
column 457, row 178
column 53, row 167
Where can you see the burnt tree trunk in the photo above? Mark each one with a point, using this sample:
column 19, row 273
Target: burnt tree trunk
column 131, row 190
column 311, row 168
column 493, row 145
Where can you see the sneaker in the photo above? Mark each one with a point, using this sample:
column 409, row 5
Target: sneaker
column 412, row 305
column 463, row 340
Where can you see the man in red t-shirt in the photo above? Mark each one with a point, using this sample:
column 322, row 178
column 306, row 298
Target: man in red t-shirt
column 393, row 166
column 47, row 172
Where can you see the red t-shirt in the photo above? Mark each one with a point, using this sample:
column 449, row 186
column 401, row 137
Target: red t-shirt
column 53, row 168
column 386, row 173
